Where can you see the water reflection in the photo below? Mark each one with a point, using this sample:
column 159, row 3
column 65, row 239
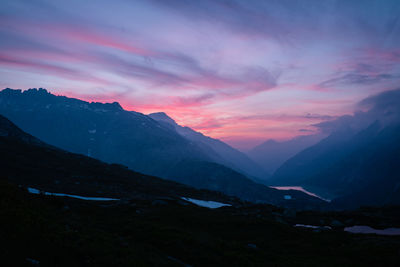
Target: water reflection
column 301, row 189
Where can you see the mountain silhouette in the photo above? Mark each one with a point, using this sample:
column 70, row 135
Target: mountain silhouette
column 111, row 134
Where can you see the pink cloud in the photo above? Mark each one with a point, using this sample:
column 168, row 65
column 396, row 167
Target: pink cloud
column 35, row 66
column 71, row 32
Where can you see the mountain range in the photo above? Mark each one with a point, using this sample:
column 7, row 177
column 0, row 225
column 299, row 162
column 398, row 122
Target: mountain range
column 109, row 133
column 353, row 161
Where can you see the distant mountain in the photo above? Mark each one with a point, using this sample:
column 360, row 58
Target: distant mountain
column 111, row 134
column 220, row 152
column 310, row 161
column 357, row 163
column 271, row 154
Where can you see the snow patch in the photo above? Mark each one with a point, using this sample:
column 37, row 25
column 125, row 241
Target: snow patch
column 363, row 229
column 33, row 190
column 36, row 191
column 205, row 203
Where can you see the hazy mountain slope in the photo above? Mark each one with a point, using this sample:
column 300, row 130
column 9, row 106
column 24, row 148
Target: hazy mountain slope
column 310, row 161
column 338, row 182
column 366, row 171
column 271, row 154
column 220, row 152
column 368, row 176
column 358, row 161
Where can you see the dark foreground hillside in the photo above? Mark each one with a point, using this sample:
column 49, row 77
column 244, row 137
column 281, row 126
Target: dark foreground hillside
column 49, row 231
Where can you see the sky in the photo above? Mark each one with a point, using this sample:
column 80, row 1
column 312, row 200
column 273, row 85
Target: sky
column 240, row 71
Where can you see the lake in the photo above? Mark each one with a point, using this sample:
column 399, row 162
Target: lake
column 299, row 188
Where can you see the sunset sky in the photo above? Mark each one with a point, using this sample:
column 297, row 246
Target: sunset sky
column 241, row 71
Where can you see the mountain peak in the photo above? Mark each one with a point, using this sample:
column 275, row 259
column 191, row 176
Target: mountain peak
column 37, row 91
column 162, row 116
column 107, row 106
column 9, row 91
column 270, row 141
column 44, row 96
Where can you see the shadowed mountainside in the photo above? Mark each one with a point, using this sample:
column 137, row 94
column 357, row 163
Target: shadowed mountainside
column 221, row 152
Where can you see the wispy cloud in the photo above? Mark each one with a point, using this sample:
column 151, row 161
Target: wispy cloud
column 383, row 107
column 234, row 69
column 358, row 79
